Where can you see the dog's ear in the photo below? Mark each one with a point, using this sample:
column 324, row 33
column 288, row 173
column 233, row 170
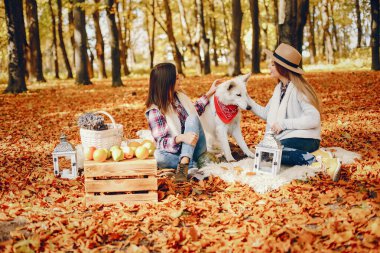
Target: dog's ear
column 231, row 86
column 246, row 77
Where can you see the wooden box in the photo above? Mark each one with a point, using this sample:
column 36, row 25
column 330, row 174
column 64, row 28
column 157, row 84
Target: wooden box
column 130, row 181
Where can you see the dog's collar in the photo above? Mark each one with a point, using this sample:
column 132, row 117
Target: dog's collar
column 225, row 112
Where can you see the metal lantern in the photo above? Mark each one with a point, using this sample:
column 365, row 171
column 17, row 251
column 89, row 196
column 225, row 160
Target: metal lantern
column 268, row 155
column 65, row 149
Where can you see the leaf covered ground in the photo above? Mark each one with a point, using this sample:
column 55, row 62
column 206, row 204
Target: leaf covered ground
column 42, row 213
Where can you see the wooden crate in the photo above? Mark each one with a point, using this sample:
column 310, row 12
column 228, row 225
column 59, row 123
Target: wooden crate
column 129, row 181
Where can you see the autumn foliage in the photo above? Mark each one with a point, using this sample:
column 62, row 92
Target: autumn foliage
column 43, row 213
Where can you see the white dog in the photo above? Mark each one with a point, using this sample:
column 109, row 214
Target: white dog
column 222, row 116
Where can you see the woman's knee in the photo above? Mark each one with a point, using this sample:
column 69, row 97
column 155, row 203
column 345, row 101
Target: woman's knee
column 193, row 122
column 165, row 160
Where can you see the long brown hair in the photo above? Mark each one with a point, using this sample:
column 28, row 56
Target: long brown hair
column 161, row 86
column 301, row 84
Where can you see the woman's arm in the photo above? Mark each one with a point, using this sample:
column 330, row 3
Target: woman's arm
column 160, row 132
column 309, row 119
column 259, row 110
column 202, row 102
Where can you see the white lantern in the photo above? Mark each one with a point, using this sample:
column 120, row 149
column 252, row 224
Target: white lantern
column 268, row 155
column 65, row 149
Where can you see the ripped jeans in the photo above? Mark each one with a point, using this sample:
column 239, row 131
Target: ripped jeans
column 296, row 151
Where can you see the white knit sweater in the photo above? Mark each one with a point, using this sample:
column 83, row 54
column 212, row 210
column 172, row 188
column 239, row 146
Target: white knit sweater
column 295, row 114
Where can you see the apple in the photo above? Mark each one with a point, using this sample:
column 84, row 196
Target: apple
column 142, row 152
column 117, row 154
column 89, row 153
column 100, row 155
column 107, row 152
column 114, row 147
column 134, row 144
column 128, row 152
column 150, row 146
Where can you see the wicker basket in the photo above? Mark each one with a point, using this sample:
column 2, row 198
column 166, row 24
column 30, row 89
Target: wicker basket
column 104, row 138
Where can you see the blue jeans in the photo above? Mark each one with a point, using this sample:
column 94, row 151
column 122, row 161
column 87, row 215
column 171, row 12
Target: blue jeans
column 170, row 160
column 296, row 151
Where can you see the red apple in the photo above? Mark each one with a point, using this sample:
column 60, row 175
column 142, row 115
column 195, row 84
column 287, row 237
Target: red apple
column 89, row 153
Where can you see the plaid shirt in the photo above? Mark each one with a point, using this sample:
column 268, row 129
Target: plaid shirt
column 160, row 129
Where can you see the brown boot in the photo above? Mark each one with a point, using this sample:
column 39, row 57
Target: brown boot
column 181, row 173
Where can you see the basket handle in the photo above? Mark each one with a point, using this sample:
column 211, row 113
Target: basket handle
column 109, row 116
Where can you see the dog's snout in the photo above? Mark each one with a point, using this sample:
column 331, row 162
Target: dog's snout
column 249, row 107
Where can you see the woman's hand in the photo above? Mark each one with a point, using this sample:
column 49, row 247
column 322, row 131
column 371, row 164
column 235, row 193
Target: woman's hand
column 212, row 89
column 276, row 128
column 190, row 138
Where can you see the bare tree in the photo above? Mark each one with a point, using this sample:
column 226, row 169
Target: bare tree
column 234, row 57
column 35, row 72
column 114, row 43
column 16, row 40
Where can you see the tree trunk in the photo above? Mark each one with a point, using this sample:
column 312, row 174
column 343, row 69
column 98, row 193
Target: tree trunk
column 267, row 21
column 80, row 36
column 226, row 24
column 151, row 34
column 16, row 39
column 288, row 26
column 358, row 23
column 122, row 47
column 61, row 41
column 254, row 7
column 302, row 11
column 375, row 34
column 90, row 62
column 204, row 42
column 234, row 61
column 311, row 22
column 192, row 43
column 213, row 33
column 35, row 71
column 275, row 9
column 99, row 46
column 170, row 32
column 114, row 43
column 329, row 53
column 336, row 43
column 71, row 29
column 127, row 30
column 55, row 48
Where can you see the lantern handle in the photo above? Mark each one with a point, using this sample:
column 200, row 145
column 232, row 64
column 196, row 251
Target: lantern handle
column 109, row 116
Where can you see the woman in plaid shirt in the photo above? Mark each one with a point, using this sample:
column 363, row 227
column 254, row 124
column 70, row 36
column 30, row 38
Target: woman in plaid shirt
column 173, row 120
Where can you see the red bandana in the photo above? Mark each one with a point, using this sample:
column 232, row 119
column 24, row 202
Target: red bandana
column 225, row 112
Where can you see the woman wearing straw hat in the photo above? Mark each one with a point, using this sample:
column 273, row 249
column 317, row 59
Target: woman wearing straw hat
column 293, row 113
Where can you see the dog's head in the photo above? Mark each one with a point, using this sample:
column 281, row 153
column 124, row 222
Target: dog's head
column 234, row 92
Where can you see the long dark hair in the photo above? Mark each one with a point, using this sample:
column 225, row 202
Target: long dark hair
column 161, row 86
column 301, row 84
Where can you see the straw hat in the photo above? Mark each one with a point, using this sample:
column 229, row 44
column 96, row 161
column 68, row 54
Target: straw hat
column 287, row 56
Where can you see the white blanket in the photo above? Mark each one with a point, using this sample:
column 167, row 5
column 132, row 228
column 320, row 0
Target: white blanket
column 237, row 172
